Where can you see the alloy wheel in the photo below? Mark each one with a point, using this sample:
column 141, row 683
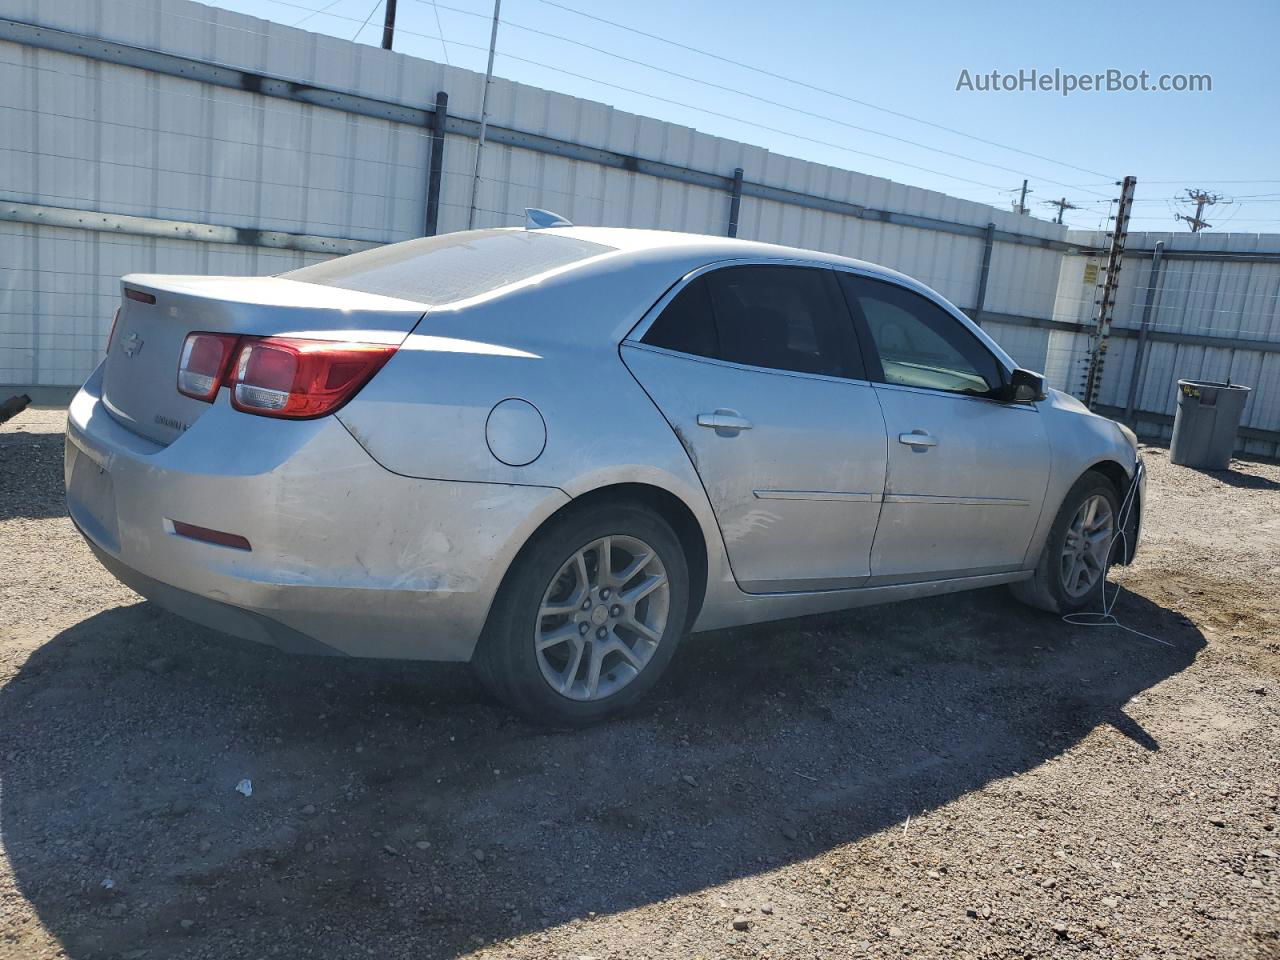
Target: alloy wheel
column 1083, row 561
column 602, row 618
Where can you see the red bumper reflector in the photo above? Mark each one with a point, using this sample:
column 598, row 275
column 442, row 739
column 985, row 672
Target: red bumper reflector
column 210, row 536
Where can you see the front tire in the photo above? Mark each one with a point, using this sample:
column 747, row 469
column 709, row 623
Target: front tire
column 588, row 617
column 1072, row 571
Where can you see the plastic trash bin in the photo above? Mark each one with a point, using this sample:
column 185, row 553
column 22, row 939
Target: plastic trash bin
column 1204, row 428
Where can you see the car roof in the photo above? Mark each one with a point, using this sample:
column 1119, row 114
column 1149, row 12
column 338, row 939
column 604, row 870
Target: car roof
column 684, row 245
column 656, row 246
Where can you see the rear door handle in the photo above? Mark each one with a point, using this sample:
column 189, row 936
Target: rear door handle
column 918, row 438
column 724, row 420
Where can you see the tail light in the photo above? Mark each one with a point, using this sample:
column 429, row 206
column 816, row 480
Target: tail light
column 278, row 376
column 203, row 364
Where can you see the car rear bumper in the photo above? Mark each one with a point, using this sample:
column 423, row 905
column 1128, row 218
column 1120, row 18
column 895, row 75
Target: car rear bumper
column 346, row 557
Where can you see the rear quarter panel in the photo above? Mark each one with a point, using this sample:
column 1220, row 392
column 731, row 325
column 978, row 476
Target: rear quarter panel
column 553, row 344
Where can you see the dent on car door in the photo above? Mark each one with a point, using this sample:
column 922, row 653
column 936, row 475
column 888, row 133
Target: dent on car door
column 966, row 473
column 758, row 371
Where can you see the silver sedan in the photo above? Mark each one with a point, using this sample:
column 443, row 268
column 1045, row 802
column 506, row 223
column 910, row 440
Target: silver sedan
column 554, row 452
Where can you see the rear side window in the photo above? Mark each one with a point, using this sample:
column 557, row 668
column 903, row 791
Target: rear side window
column 451, row 267
column 780, row 318
column 687, row 324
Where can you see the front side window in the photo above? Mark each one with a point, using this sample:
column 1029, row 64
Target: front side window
column 776, row 317
column 919, row 343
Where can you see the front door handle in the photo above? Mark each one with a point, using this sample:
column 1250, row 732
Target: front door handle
column 726, row 420
column 918, row 438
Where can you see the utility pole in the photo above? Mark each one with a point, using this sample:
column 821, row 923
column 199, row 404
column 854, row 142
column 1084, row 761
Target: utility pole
column 1106, row 304
column 1202, row 199
column 1022, row 200
column 484, row 114
column 1062, row 205
column 389, row 25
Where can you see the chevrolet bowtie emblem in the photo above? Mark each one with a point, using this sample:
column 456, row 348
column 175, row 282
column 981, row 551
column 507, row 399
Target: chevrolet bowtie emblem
column 132, row 344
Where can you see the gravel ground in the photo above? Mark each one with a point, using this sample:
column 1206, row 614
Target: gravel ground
column 958, row 777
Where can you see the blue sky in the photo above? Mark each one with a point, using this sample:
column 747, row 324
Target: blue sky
column 905, row 57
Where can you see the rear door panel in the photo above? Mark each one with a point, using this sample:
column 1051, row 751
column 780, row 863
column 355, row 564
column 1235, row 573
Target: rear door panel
column 797, row 494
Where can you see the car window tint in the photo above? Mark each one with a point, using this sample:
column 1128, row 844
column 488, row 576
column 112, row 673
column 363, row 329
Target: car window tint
column 919, row 343
column 686, row 323
column 784, row 318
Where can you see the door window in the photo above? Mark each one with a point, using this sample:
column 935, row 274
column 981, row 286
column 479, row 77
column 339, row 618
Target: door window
column 920, row 344
column 687, row 325
column 776, row 317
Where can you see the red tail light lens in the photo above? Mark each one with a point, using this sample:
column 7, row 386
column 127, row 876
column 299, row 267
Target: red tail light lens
column 203, row 364
column 301, row 379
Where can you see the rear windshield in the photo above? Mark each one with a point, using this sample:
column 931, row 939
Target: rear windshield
column 455, row 266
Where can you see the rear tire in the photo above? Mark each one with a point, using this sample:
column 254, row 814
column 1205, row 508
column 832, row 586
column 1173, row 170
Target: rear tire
column 1072, row 570
column 573, row 637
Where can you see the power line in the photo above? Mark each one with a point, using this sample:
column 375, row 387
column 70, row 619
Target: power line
column 376, row 5
column 326, row 8
column 325, row 12
column 1185, row 179
column 1237, row 219
column 743, row 120
column 1254, row 197
column 440, row 27
column 831, row 93
column 750, row 96
column 679, row 103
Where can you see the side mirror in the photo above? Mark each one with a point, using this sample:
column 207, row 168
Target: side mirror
column 1023, row 387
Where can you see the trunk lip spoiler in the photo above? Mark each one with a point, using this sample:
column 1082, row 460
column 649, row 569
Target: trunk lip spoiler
column 269, row 291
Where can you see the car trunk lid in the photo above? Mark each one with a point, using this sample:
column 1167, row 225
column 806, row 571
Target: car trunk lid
column 157, row 312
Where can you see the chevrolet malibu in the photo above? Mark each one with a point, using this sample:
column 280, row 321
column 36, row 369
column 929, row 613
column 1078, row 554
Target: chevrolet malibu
column 554, row 452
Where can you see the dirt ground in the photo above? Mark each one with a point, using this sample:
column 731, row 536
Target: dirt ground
column 958, row 777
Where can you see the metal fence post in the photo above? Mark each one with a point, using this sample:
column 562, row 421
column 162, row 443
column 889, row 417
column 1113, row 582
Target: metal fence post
column 436, row 164
column 1153, row 285
column 984, row 273
column 1106, row 305
column 735, row 202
